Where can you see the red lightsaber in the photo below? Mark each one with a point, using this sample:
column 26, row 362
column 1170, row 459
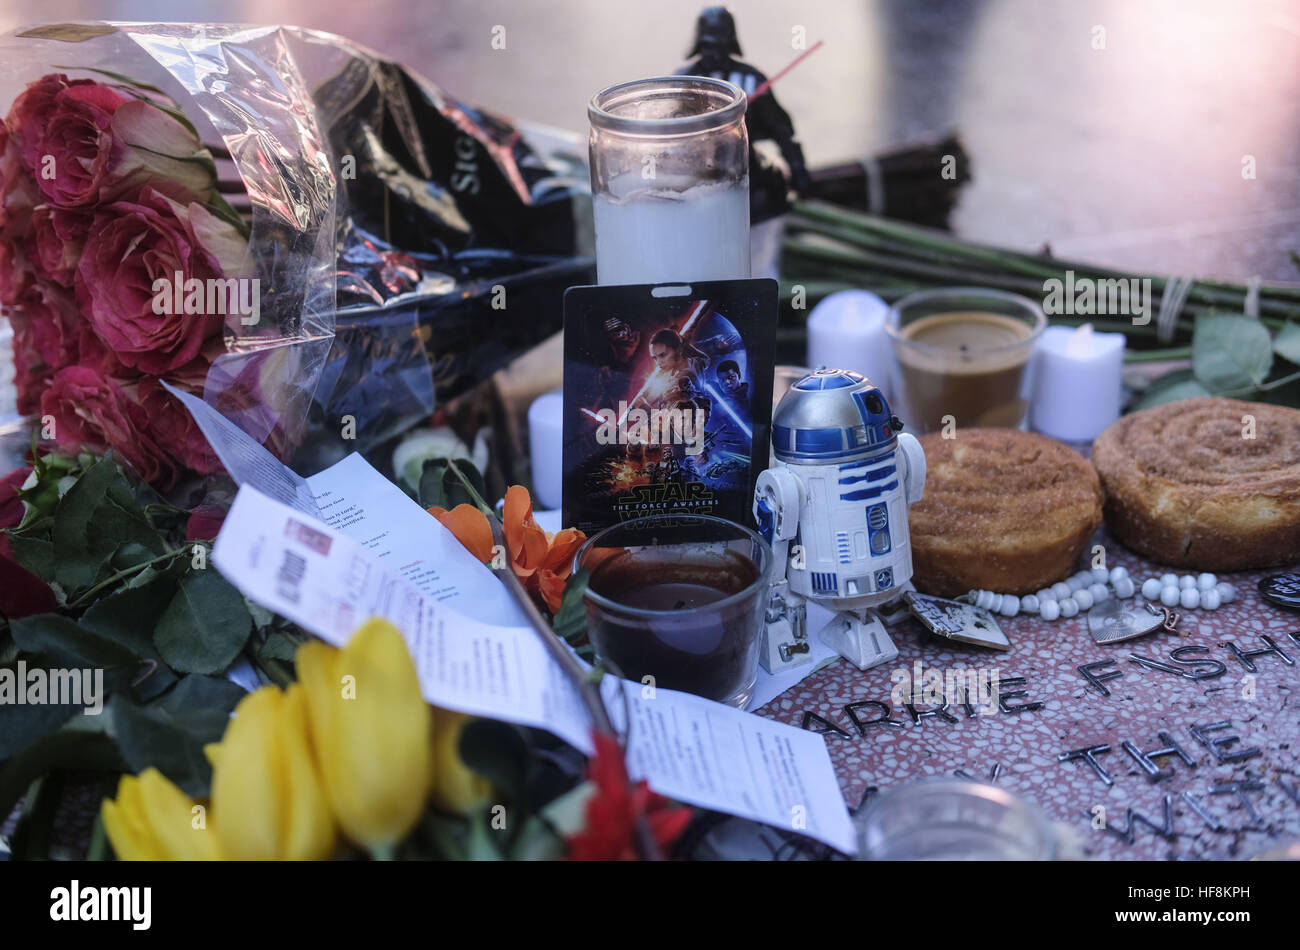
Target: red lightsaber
column 797, row 60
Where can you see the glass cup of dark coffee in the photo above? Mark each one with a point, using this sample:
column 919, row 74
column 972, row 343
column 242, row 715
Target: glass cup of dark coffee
column 679, row 598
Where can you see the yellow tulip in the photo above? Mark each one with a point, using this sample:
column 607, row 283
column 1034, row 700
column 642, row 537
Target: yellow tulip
column 267, row 799
column 371, row 733
column 456, row 788
column 153, row 820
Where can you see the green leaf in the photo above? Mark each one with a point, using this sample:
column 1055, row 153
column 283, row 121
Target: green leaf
column 277, row 646
column 261, row 616
column 96, row 519
column 441, row 487
column 1287, row 342
column 34, row 553
column 1230, row 352
column 82, row 744
column 69, row 33
column 21, row 726
column 51, row 471
column 222, row 208
column 570, row 621
column 170, row 734
column 129, row 617
column 34, row 833
column 119, row 77
column 205, row 625
column 1179, row 384
column 57, row 636
column 498, row 752
column 194, row 693
column 482, row 841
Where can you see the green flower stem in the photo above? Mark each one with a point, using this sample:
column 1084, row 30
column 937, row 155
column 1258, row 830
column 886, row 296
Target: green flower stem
column 120, row 575
column 1262, row 387
column 893, row 247
column 277, row 671
column 1158, row 356
column 479, row 501
column 98, row 849
column 588, row 691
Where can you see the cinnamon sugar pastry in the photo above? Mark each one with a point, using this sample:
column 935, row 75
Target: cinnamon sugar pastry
column 1187, row 489
column 1003, row 510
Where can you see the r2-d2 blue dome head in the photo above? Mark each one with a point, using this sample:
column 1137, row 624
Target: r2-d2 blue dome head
column 832, row 416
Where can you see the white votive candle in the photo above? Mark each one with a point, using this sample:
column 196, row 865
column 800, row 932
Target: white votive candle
column 847, row 331
column 1077, row 383
column 545, row 447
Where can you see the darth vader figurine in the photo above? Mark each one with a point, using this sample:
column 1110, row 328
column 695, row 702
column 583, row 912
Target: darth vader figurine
column 716, row 54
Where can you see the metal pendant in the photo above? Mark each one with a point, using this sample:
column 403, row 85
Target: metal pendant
column 954, row 620
column 1111, row 621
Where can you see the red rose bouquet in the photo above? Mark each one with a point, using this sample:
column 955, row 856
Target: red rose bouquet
column 310, row 236
column 107, row 207
column 158, row 231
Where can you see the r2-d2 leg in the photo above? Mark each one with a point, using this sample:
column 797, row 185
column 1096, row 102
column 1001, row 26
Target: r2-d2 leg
column 785, row 638
column 860, row 637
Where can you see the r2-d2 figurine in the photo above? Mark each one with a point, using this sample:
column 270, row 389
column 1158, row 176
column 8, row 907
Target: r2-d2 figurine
column 834, row 509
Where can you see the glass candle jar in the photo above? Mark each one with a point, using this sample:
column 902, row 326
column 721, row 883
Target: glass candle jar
column 679, row 598
column 951, row 819
column 670, row 181
column 962, row 352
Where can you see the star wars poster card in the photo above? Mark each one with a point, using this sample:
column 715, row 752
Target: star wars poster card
column 667, row 399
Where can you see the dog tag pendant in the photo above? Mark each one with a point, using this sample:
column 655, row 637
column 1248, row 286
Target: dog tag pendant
column 1111, row 621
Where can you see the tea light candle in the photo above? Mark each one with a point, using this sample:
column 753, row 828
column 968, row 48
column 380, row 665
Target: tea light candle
column 847, row 331
column 545, row 447
column 1077, row 383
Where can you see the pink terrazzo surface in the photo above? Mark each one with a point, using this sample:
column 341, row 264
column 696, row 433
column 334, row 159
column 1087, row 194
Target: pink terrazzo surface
column 1141, row 704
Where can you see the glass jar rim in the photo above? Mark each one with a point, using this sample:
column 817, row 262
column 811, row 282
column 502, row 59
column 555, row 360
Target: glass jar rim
column 762, row 581
column 733, row 105
column 1032, row 815
column 939, row 294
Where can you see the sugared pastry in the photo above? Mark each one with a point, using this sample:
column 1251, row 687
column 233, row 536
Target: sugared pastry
column 1004, row 510
column 1198, row 484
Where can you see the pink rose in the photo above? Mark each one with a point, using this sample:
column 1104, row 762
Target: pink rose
column 48, row 316
column 92, row 412
column 87, row 144
column 47, row 332
column 171, row 425
column 58, row 237
column 15, row 273
column 131, row 246
column 18, row 194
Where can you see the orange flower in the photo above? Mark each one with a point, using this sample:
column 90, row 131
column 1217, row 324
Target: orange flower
column 471, row 528
column 541, row 561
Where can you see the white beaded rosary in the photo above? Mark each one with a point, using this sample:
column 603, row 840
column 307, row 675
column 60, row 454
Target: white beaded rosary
column 1079, row 593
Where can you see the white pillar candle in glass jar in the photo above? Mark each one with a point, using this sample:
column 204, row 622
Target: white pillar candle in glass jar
column 670, row 181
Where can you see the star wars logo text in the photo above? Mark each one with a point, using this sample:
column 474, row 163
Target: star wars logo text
column 690, row 497
column 676, row 426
